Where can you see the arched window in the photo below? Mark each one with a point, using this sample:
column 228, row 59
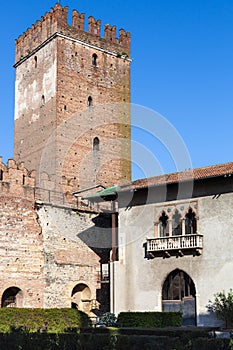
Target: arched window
column 89, row 101
column 190, row 222
column 94, row 60
column 81, row 297
column 12, row 297
column 176, row 224
column 163, row 225
column 179, row 294
column 96, row 144
column 177, row 286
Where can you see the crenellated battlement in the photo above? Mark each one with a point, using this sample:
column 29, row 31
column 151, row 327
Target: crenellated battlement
column 16, row 180
column 56, row 21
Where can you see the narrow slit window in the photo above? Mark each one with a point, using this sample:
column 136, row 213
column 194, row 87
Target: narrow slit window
column 42, row 101
column 35, row 58
column 90, row 101
column 1, row 175
column 96, row 144
column 94, row 60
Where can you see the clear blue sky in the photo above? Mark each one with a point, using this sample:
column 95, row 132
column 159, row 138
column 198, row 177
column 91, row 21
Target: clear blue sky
column 182, row 68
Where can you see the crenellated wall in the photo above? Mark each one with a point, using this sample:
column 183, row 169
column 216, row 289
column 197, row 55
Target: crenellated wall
column 16, row 180
column 56, row 21
column 46, row 250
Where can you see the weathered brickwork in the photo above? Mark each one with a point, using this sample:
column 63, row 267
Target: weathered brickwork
column 21, row 240
column 73, row 249
column 72, row 131
column 73, row 87
column 49, row 253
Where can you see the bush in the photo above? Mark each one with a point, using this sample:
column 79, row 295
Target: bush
column 222, row 306
column 108, row 319
column 149, row 319
column 41, row 320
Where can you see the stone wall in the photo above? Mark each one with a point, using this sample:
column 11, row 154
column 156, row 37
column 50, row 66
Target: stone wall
column 21, row 240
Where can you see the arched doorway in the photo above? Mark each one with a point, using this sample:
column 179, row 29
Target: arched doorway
column 81, row 298
column 179, row 294
column 12, row 297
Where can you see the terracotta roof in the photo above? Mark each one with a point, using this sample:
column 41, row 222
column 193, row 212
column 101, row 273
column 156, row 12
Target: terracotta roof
column 194, row 174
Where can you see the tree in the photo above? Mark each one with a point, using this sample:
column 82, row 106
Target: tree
column 222, row 306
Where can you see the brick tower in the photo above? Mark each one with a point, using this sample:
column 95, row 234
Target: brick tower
column 72, row 95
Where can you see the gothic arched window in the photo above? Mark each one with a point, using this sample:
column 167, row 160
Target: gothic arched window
column 190, row 222
column 163, row 225
column 176, row 223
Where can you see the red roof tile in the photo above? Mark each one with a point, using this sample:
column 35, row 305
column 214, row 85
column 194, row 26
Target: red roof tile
column 194, row 174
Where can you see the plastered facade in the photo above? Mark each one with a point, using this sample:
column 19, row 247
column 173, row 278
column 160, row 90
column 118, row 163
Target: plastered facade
column 139, row 279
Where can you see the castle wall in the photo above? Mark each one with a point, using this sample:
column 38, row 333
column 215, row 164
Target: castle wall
column 21, row 242
column 47, row 251
column 56, row 21
column 74, row 247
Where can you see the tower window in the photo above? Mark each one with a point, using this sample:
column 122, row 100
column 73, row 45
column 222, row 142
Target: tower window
column 1, row 175
column 90, row 101
column 42, row 101
column 96, row 144
column 94, row 60
column 35, row 58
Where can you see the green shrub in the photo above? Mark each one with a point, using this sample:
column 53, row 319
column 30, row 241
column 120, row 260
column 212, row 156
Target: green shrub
column 222, row 306
column 108, row 319
column 41, row 320
column 149, row 319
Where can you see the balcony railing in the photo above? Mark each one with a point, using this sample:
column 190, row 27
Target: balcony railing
column 172, row 243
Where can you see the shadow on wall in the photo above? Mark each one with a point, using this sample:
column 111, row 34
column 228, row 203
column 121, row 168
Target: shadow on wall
column 99, row 236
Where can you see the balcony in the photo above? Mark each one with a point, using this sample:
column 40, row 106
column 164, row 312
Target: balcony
column 175, row 245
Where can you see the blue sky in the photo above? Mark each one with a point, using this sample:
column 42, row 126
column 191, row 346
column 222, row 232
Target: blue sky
column 182, row 68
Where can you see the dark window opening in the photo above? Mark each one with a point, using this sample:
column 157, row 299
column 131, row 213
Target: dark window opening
column 177, row 286
column 35, row 59
column 24, row 179
column 42, row 101
column 12, row 297
column 94, row 60
column 96, row 144
column 89, row 101
column 163, row 225
column 190, row 222
column 1, row 175
column 176, row 224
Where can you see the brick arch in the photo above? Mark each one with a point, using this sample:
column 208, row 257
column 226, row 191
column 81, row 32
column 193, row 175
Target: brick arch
column 81, row 297
column 12, row 297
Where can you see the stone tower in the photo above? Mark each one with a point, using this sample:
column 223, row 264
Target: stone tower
column 72, row 96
